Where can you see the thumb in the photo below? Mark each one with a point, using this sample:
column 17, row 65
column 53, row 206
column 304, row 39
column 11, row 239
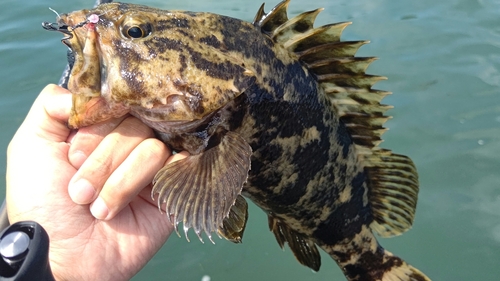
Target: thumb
column 47, row 118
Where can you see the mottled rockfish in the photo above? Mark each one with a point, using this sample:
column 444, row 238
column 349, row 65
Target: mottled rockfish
column 277, row 110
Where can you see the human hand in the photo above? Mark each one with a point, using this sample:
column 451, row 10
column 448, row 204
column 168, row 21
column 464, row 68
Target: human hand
column 115, row 161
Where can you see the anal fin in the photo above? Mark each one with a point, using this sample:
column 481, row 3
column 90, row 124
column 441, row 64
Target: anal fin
column 303, row 249
column 200, row 190
column 234, row 224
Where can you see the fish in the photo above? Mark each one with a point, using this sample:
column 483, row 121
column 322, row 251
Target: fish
column 276, row 111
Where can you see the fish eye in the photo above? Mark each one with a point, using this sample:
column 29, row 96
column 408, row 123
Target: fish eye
column 136, row 31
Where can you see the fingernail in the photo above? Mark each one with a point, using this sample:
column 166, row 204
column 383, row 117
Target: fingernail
column 81, row 192
column 77, row 158
column 99, row 209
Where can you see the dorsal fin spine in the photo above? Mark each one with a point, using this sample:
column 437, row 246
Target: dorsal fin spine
column 328, row 50
column 260, row 14
column 296, row 25
column 276, row 17
column 325, row 34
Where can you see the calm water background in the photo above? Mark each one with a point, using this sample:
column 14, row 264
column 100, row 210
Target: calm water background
column 442, row 59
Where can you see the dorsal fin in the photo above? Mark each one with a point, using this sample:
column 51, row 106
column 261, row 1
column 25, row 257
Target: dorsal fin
column 392, row 178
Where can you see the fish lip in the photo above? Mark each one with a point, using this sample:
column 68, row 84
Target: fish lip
column 64, row 25
column 60, row 25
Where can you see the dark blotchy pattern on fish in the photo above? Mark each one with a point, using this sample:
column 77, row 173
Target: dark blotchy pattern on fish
column 266, row 110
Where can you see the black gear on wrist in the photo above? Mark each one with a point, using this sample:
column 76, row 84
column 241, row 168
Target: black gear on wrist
column 24, row 251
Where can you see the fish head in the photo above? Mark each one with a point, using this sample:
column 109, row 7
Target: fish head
column 160, row 66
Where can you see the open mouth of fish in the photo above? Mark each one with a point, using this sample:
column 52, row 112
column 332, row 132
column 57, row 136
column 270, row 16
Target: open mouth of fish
column 77, row 35
column 87, row 70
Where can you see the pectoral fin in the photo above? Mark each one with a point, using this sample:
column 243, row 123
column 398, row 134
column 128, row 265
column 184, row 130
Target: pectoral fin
column 304, row 250
column 201, row 189
column 234, row 225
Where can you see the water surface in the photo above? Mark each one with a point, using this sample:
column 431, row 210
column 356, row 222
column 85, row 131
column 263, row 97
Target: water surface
column 442, row 59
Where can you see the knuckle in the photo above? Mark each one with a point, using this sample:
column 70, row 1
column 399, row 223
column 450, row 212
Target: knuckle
column 153, row 149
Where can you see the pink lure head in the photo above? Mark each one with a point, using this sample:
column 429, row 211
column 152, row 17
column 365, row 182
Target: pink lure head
column 91, row 21
column 93, row 18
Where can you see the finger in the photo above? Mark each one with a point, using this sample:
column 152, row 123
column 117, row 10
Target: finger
column 133, row 175
column 86, row 139
column 103, row 161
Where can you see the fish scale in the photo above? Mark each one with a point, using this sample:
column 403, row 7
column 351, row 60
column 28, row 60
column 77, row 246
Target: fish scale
column 278, row 111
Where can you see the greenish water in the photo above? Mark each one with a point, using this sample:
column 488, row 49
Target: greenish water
column 442, row 59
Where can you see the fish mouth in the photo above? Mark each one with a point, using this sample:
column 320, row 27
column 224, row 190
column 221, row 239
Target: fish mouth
column 65, row 27
column 86, row 69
